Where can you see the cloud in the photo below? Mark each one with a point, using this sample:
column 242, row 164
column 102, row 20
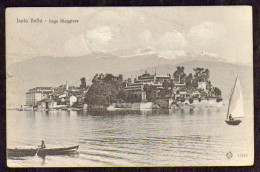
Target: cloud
column 171, row 54
column 102, row 35
column 146, row 37
column 76, row 46
column 167, row 45
column 127, row 30
column 172, row 40
column 205, row 35
column 109, row 30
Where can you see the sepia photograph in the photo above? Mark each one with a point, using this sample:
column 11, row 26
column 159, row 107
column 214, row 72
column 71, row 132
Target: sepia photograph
column 129, row 86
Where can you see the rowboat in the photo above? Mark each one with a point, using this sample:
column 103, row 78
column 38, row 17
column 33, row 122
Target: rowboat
column 21, row 152
column 57, row 151
column 41, row 151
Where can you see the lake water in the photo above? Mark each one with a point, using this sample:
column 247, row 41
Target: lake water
column 132, row 138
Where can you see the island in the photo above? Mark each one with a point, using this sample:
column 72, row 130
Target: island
column 147, row 91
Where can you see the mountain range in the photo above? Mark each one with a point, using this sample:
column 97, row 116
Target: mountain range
column 53, row 71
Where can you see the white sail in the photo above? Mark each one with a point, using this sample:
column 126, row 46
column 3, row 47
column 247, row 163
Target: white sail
column 236, row 103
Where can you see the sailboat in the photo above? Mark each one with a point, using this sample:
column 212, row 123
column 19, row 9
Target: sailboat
column 235, row 106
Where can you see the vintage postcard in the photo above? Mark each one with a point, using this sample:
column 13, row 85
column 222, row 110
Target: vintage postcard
column 129, row 86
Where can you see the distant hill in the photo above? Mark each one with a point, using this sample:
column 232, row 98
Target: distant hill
column 50, row 71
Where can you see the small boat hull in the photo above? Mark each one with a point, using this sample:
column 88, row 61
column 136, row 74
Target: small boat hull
column 21, row 152
column 57, row 151
column 233, row 122
column 41, row 152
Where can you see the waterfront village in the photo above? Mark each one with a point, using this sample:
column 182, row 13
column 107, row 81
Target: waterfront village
column 147, row 91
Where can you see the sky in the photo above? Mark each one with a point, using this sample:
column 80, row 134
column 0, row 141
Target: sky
column 170, row 32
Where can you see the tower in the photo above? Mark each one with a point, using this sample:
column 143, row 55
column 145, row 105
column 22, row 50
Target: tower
column 66, row 86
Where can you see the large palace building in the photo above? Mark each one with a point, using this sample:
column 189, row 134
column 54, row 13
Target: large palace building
column 137, row 87
column 37, row 94
column 146, row 79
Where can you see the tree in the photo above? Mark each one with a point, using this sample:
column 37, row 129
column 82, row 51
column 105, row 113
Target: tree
column 188, row 81
column 182, row 77
column 83, row 84
column 179, row 75
column 152, row 94
column 176, row 76
column 209, row 85
column 171, row 84
column 95, row 78
column 206, row 74
column 120, row 77
column 109, row 77
column 201, row 74
column 217, row 91
column 122, row 95
column 198, row 73
column 102, row 93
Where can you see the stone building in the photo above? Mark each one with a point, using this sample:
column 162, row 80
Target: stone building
column 37, row 94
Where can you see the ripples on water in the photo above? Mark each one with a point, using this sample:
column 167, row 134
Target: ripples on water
column 131, row 138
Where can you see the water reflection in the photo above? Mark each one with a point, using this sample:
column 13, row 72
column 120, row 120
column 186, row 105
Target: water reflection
column 127, row 138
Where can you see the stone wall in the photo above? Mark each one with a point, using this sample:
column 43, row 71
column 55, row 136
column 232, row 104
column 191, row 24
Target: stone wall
column 162, row 103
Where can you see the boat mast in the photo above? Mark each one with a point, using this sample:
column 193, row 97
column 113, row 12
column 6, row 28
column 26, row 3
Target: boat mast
column 232, row 91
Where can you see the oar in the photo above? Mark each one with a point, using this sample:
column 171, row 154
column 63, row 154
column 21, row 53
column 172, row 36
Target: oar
column 38, row 150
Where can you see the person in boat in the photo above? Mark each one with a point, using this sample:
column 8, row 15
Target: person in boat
column 230, row 117
column 43, row 144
